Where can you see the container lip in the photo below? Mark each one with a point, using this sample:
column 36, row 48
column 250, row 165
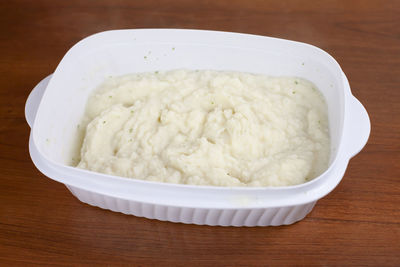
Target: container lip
column 310, row 185
column 195, row 33
column 197, row 187
column 172, row 194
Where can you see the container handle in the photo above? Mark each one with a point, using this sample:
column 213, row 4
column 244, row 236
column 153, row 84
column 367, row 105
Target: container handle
column 358, row 127
column 34, row 98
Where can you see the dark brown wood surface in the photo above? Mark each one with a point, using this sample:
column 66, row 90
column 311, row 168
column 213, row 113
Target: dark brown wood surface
column 357, row 224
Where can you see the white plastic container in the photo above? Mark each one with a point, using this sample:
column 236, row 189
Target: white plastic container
column 56, row 106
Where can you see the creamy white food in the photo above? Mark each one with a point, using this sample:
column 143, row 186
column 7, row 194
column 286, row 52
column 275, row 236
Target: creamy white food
column 207, row 128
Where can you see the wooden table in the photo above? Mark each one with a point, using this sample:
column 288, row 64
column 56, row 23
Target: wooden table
column 357, row 224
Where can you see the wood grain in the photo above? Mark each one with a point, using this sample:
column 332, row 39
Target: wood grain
column 357, row 224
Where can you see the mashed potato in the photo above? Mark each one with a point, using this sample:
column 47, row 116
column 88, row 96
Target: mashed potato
column 207, row 128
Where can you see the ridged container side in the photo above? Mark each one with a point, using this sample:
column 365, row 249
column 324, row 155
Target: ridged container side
column 201, row 216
